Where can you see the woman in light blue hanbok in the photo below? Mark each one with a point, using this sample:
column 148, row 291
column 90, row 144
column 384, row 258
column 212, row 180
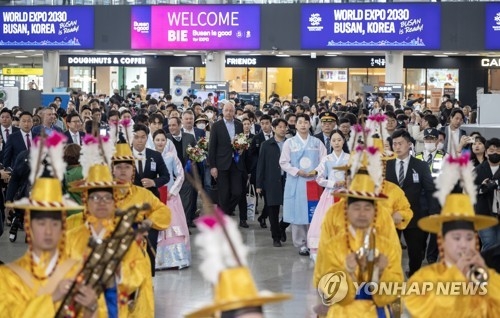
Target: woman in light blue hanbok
column 331, row 179
column 173, row 243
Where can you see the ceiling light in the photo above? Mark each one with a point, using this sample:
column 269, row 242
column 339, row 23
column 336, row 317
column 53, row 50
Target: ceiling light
column 473, row 54
column 425, row 52
column 282, row 55
column 255, row 54
column 440, row 55
column 180, row 54
column 192, row 51
column 115, row 52
column 369, row 52
column 418, row 54
column 331, row 55
column 13, row 64
column 450, row 53
column 21, row 56
column 305, row 54
column 338, row 53
column 149, row 53
column 244, row 52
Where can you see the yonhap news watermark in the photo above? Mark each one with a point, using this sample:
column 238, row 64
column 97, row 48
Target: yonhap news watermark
column 334, row 287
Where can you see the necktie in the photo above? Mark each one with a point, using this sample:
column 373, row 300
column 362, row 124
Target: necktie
column 327, row 144
column 401, row 177
column 6, row 134
column 429, row 160
column 141, row 168
column 28, row 142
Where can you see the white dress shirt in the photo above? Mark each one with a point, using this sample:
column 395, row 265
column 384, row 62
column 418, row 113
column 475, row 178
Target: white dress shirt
column 4, row 135
column 140, row 156
column 406, row 162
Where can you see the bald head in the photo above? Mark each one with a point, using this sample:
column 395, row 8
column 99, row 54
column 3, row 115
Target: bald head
column 228, row 111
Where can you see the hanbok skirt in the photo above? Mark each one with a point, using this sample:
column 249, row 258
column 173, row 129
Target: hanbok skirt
column 174, row 250
column 325, row 202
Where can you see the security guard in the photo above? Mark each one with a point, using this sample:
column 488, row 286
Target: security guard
column 431, row 154
column 434, row 159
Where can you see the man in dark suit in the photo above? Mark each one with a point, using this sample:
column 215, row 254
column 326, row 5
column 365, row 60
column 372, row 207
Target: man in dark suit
column 181, row 142
column 266, row 133
column 223, row 165
column 188, row 125
column 74, row 133
column 49, row 119
column 453, row 132
column 328, row 123
column 487, row 182
column 271, row 179
column 19, row 141
column 151, row 171
column 6, row 127
column 415, row 178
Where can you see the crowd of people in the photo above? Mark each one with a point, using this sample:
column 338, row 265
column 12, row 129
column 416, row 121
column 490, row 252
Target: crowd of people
column 336, row 174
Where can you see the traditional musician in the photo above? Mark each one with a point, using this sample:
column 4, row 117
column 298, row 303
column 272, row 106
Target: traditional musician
column 35, row 284
column 361, row 250
column 460, row 261
column 224, row 265
column 133, row 284
column 160, row 215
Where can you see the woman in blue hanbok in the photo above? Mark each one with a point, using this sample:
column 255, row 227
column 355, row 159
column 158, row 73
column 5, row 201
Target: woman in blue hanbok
column 173, row 249
column 330, row 179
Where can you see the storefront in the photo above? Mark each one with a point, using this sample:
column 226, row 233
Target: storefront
column 103, row 74
column 24, row 77
column 335, row 77
column 492, row 67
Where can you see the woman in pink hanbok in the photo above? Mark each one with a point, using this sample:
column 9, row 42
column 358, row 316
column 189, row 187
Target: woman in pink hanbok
column 173, row 249
column 330, row 179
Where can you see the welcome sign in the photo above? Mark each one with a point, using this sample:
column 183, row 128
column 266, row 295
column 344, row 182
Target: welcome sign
column 47, row 27
column 200, row 27
column 367, row 26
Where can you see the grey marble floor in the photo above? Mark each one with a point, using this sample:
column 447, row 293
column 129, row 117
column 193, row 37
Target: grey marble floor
column 274, row 269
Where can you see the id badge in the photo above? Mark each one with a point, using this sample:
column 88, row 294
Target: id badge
column 416, row 178
column 153, row 166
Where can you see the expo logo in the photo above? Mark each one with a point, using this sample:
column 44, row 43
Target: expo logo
column 315, row 21
column 141, row 27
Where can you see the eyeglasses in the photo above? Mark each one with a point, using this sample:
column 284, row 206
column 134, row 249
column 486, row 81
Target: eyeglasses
column 76, row 121
column 97, row 198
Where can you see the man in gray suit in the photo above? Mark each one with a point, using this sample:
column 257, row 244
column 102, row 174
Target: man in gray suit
column 181, row 141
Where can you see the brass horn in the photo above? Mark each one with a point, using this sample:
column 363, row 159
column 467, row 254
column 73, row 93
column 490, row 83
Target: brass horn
column 366, row 257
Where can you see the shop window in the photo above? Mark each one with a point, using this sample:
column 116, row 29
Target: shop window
column 494, row 80
column 279, row 81
column 332, row 83
column 358, row 77
column 416, row 84
column 439, row 82
column 81, row 78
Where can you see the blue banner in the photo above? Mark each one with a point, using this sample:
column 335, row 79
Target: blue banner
column 492, row 32
column 371, row 26
column 47, row 28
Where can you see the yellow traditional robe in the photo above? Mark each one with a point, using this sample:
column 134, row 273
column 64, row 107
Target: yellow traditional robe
column 135, row 272
column 397, row 202
column 431, row 304
column 20, row 300
column 334, row 221
column 332, row 253
column 160, row 214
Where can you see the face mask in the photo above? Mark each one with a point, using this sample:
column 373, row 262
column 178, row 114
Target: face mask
column 240, row 117
column 101, row 100
column 494, row 158
column 440, row 146
column 210, row 115
column 200, row 125
column 285, row 108
column 162, row 95
column 265, row 112
column 430, row 147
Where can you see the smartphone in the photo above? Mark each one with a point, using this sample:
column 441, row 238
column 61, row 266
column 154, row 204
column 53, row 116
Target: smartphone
column 103, row 132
